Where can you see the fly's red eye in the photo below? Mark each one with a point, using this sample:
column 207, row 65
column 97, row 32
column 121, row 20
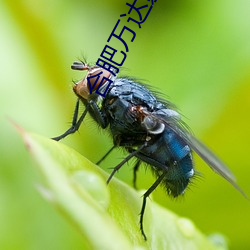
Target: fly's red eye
column 97, row 76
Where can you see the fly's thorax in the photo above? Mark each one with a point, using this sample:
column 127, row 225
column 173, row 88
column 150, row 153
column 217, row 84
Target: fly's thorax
column 92, row 80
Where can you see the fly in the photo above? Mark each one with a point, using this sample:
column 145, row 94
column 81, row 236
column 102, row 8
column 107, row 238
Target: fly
column 149, row 128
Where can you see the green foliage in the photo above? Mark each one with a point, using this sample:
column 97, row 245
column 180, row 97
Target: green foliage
column 195, row 52
column 106, row 216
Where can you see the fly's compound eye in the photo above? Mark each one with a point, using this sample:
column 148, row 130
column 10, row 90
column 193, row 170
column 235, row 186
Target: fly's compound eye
column 152, row 125
column 95, row 78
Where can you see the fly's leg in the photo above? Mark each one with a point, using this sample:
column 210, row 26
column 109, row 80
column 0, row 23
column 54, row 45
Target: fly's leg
column 97, row 114
column 75, row 124
column 124, row 161
column 145, row 196
column 90, row 107
column 105, row 155
column 135, row 169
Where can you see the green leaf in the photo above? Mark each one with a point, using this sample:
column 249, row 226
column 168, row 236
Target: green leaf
column 107, row 215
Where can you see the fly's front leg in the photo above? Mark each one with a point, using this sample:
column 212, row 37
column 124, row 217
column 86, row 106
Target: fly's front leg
column 97, row 114
column 93, row 109
column 75, row 123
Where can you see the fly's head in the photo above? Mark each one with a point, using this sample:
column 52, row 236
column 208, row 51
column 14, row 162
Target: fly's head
column 82, row 87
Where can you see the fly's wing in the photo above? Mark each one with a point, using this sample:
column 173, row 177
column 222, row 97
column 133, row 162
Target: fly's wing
column 212, row 160
column 175, row 124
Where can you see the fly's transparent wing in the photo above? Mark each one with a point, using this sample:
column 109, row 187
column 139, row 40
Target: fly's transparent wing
column 210, row 158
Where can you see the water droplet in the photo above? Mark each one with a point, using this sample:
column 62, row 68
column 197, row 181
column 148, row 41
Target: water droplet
column 94, row 185
column 187, row 227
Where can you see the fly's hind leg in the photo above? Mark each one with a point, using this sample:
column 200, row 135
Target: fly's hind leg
column 135, row 169
column 145, row 196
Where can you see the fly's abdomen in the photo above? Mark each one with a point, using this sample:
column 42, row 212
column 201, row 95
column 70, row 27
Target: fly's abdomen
column 169, row 155
column 180, row 166
column 178, row 176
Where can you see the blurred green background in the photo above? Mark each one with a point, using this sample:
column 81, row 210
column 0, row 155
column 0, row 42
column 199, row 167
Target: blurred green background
column 197, row 53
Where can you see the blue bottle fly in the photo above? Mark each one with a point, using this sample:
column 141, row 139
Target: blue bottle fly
column 149, row 128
